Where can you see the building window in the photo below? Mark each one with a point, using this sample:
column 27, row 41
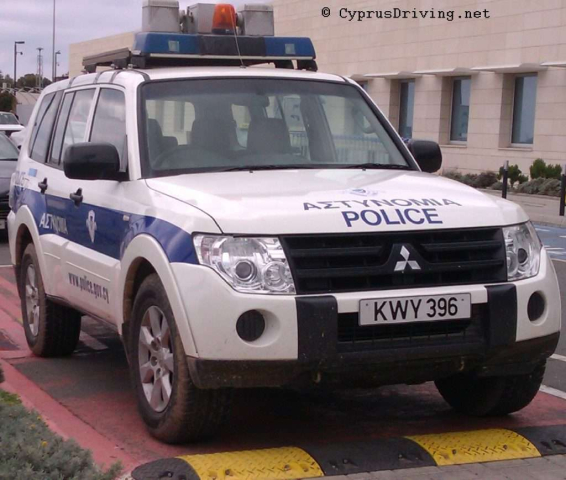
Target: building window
column 524, row 106
column 461, row 88
column 406, row 108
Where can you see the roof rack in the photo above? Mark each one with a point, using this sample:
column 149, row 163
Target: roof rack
column 152, row 50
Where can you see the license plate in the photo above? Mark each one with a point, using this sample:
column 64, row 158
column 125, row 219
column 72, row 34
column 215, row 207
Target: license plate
column 2, row 224
column 387, row 311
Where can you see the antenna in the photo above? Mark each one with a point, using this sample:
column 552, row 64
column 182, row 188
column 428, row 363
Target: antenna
column 243, row 65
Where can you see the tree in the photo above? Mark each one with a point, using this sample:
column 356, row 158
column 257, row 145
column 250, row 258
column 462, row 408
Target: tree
column 7, row 102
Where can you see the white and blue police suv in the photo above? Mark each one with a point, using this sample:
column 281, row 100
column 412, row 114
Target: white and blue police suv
column 264, row 227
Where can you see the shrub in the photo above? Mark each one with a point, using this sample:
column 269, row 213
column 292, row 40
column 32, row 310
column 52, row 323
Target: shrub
column 515, row 175
column 482, row 180
column 31, row 450
column 485, row 180
column 539, row 169
column 541, row 186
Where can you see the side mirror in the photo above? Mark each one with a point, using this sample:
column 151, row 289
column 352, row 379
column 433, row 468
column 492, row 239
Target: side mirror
column 92, row 161
column 427, row 154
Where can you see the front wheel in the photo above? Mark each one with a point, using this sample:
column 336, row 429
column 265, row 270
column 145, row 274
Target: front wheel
column 491, row 396
column 173, row 408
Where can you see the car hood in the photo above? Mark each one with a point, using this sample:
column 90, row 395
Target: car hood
column 336, row 201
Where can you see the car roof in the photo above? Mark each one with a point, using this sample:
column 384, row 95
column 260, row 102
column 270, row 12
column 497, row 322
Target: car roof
column 131, row 78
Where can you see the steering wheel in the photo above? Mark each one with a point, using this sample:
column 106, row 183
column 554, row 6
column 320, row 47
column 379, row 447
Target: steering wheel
column 163, row 156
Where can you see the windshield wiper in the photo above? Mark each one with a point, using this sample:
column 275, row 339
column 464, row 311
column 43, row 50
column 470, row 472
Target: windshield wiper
column 376, row 166
column 255, row 168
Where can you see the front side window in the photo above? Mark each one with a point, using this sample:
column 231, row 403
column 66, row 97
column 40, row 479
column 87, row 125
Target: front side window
column 109, row 124
column 75, row 132
column 406, row 108
column 60, row 129
column 524, row 108
column 261, row 123
column 461, row 89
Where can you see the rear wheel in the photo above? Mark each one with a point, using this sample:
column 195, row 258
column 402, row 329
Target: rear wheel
column 491, row 396
column 173, row 408
column 51, row 329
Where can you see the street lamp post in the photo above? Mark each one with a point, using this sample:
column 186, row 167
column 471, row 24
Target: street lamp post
column 53, row 58
column 16, row 61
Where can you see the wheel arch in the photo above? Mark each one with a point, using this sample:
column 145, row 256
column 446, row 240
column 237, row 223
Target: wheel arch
column 143, row 257
column 24, row 233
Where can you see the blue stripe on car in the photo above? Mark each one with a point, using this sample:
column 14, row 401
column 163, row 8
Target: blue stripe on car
column 115, row 229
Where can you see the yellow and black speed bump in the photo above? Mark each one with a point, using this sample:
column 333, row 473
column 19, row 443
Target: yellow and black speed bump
column 312, row 461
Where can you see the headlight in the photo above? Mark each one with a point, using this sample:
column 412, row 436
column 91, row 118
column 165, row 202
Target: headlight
column 250, row 265
column 523, row 251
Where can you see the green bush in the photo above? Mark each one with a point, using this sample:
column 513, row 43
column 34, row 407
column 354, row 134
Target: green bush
column 539, row 169
column 482, row 180
column 515, row 175
column 541, row 186
column 31, row 450
column 485, row 180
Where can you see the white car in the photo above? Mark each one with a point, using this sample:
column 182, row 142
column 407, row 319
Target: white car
column 232, row 251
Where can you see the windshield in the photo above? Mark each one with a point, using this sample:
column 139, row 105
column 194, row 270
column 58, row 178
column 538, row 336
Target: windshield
column 8, row 150
column 8, row 119
column 232, row 124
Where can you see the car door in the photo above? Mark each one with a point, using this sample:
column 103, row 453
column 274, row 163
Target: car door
column 35, row 179
column 92, row 209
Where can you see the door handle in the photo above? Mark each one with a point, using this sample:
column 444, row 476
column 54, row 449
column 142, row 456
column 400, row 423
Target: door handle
column 77, row 197
column 43, row 186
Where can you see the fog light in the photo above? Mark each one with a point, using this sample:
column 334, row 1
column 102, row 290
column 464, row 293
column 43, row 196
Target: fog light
column 536, row 307
column 250, row 326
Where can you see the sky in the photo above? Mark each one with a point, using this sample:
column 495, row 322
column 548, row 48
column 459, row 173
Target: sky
column 77, row 20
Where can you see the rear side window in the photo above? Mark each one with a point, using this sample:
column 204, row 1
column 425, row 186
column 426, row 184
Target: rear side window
column 109, row 124
column 44, row 126
column 78, row 118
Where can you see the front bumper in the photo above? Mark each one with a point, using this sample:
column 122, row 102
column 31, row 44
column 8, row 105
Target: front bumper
column 315, row 337
column 375, row 368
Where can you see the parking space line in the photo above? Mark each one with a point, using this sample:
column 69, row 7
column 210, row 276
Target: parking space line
column 562, row 358
column 553, row 391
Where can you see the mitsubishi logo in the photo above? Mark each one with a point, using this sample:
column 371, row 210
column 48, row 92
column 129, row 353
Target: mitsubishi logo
column 402, row 265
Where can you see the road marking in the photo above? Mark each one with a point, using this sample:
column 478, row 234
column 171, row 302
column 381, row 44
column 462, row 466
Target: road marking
column 553, row 391
column 562, row 358
column 558, row 260
column 6, row 266
column 542, row 230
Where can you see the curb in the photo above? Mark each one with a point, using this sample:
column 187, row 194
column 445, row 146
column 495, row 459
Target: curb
column 314, row 461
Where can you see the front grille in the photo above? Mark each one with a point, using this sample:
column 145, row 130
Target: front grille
column 362, row 262
column 353, row 337
column 4, row 208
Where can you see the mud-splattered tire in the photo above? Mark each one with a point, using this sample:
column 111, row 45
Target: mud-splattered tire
column 174, row 410
column 491, row 396
column 51, row 330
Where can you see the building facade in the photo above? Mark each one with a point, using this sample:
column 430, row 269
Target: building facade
column 485, row 79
